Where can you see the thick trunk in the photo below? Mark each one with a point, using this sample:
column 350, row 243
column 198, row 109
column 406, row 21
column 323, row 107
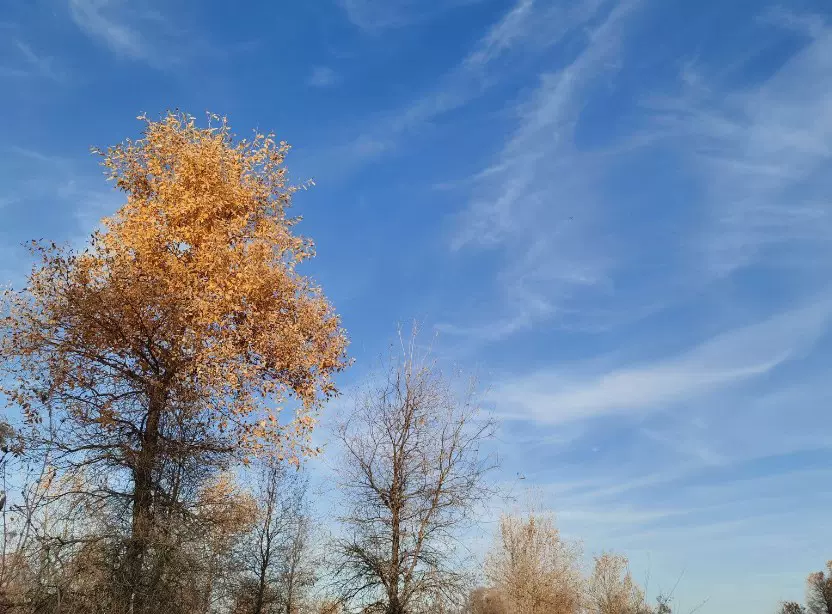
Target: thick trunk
column 143, row 520
column 394, row 605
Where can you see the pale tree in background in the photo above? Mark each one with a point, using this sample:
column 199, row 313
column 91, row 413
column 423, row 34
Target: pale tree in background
column 663, row 604
column 611, row 589
column 412, row 473
column 486, row 601
column 819, row 591
column 224, row 514
column 533, row 569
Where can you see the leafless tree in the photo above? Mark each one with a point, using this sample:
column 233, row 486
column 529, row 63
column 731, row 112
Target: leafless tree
column 791, row 607
column 298, row 573
column 412, row 473
column 278, row 555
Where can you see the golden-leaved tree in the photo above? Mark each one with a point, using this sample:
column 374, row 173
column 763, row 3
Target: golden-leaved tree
column 180, row 331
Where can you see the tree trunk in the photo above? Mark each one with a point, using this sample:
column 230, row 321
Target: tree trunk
column 142, row 520
column 261, row 589
column 393, row 604
column 290, row 594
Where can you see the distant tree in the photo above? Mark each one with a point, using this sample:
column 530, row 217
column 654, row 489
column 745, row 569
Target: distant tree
column 411, row 474
column 277, row 555
column 224, row 514
column 298, row 572
column 819, row 591
column 533, row 569
column 483, row 600
column 611, row 589
column 185, row 314
column 327, row 607
column 791, row 607
column 663, row 605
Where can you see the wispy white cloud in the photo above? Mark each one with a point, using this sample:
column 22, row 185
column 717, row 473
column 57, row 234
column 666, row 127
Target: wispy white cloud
column 108, row 22
column 322, row 77
column 806, row 23
column 35, row 179
column 523, row 171
column 758, row 153
column 22, row 60
column 761, row 155
column 704, row 507
column 529, row 27
column 537, row 202
column 553, row 395
column 139, row 31
column 378, row 15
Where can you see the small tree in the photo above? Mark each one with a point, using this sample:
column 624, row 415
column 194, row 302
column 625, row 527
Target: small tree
column 298, row 574
column 186, row 309
column 277, row 555
column 791, row 607
column 411, row 474
column 534, row 570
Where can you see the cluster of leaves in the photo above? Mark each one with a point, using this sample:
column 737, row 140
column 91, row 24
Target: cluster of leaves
column 189, row 290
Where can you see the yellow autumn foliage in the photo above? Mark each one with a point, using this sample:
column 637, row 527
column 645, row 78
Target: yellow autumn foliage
column 187, row 299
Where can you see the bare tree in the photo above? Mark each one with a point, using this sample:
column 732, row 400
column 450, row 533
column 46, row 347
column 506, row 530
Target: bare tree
column 791, row 607
column 46, row 556
column 298, row 569
column 412, row 473
column 278, row 555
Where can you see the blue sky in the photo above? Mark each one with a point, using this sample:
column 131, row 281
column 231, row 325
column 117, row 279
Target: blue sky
column 616, row 213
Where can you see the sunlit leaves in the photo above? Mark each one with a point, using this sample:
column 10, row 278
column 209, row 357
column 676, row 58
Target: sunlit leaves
column 189, row 292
